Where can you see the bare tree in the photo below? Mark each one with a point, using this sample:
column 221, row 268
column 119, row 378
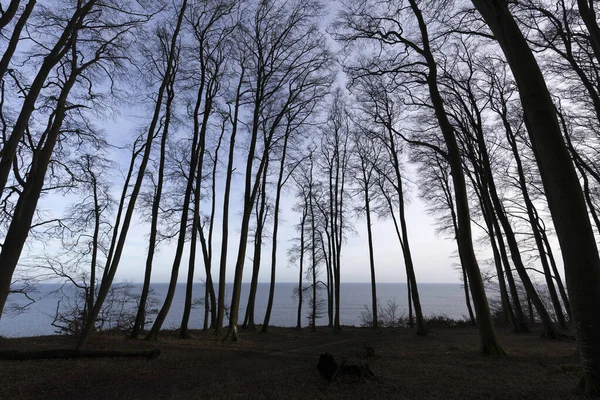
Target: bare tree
column 284, row 42
column 96, row 47
column 565, row 197
column 382, row 25
column 117, row 245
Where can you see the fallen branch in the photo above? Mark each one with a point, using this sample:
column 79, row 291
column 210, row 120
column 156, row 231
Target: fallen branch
column 69, row 353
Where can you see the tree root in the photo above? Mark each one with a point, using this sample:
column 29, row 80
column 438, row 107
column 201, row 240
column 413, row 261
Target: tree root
column 232, row 335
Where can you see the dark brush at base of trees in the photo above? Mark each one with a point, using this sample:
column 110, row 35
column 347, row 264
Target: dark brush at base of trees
column 329, row 369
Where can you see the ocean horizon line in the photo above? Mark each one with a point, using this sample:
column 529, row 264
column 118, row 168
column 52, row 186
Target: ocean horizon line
column 286, row 282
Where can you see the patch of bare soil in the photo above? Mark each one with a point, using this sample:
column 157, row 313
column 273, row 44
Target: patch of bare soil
column 281, row 364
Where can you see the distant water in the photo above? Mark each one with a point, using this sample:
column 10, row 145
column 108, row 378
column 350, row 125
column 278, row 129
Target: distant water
column 436, row 298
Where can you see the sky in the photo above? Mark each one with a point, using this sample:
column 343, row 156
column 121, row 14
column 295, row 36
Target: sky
column 432, row 255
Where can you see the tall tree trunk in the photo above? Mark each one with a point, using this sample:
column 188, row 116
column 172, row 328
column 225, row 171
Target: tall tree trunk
column 260, row 222
column 226, row 195
column 313, row 325
column 487, row 333
column 210, row 301
column 300, row 288
column 95, row 238
column 371, row 256
column 195, row 171
column 565, row 198
column 280, row 183
column 531, row 214
column 549, row 330
column 140, row 319
column 189, row 287
column 19, row 227
column 509, row 315
column 408, row 261
column 557, row 278
column 111, row 268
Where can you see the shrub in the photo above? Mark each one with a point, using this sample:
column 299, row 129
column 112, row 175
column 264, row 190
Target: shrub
column 118, row 310
column 388, row 316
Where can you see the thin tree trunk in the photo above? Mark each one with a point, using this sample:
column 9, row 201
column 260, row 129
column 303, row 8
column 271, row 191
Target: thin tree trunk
column 195, row 170
column 189, row 287
column 16, row 35
column 95, row 238
column 562, row 188
column 410, row 269
column 519, row 326
column 140, row 318
column 225, row 224
column 313, row 326
column 61, row 47
column 489, row 341
column 260, row 221
column 371, row 256
column 207, row 249
column 300, row 288
column 280, row 183
column 549, row 330
column 9, row 13
column 557, row 278
column 411, row 319
column 111, row 268
column 481, row 182
column 531, row 214
column 514, row 292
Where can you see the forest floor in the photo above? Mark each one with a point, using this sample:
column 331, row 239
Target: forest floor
column 281, row 364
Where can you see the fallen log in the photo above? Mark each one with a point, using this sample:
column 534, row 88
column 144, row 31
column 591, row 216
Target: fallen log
column 70, row 353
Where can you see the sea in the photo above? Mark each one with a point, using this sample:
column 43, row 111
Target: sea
column 436, row 299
